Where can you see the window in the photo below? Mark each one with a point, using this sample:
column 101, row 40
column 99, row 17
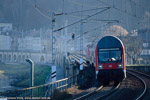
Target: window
column 115, row 55
column 145, row 45
column 15, row 58
column 109, row 55
column 103, row 56
column 9, row 57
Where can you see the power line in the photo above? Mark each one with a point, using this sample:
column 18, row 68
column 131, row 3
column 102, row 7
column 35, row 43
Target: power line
column 67, row 13
column 81, row 4
column 91, row 30
column 34, row 6
column 81, row 20
column 80, row 11
column 94, row 20
column 38, row 9
column 133, row 15
column 106, row 20
column 58, row 13
column 70, row 14
column 119, row 9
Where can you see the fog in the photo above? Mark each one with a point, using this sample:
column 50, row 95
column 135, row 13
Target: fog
column 23, row 15
column 30, row 22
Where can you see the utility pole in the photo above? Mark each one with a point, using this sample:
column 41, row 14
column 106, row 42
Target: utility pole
column 53, row 39
column 76, row 40
column 53, row 48
column 81, row 46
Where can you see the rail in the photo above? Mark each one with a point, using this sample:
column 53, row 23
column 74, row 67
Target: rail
column 143, row 82
column 89, row 94
column 113, row 90
column 41, row 90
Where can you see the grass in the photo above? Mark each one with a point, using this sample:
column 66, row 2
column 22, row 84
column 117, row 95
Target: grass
column 22, row 74
column 13, row 69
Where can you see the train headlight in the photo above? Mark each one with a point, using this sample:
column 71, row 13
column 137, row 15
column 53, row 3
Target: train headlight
column 100, row 67
column 120, row 66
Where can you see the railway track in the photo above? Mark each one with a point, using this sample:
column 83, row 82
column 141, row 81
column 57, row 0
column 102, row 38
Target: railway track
column 113, row 90
column 100, row 93
column 145, row 95
column 142, row 94
column 107, row 90
column 104, row 93
column 89, row 94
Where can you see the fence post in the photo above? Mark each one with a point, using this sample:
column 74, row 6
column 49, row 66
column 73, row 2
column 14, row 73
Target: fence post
column 24, row 95
column 31, row 73
column 38, row 91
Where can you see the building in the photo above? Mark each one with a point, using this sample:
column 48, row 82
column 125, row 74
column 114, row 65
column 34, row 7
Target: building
column 144, row 34
column 14, row 49
column 30, row 44
column 5, row 27
column 19, row 57
column 5, row 42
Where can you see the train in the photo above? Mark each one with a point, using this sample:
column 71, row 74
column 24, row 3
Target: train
column 108, row 56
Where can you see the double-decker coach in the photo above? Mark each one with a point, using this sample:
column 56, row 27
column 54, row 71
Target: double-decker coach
column 110, row 59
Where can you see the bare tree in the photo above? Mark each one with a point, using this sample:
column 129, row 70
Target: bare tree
column 134, row 47
column 133, row 44
column 116, row 30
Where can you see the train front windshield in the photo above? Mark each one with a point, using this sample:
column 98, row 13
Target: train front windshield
column 109, row 55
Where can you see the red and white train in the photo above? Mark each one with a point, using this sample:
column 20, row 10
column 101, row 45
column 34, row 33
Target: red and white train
column 109, row 59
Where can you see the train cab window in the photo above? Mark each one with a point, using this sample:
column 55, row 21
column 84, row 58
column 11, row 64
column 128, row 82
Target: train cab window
column 109, row 55
column 115, row 55
column 103, row 56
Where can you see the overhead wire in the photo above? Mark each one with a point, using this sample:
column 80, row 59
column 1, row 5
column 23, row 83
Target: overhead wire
column 38, row 9
column 119, row 9
column 46, row 16
column 133, row 15
column 105, row 20
column 94, row 20
column 69, row 14
column 41, row 12
column 84, row 10
column 58, row 13
column 91, row 30
column 81, row 20
column 77, row 3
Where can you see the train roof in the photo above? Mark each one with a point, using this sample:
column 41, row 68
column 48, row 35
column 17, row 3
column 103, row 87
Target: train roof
column 109, row 42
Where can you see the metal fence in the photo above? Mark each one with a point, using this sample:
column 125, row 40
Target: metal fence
column 41, row 91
